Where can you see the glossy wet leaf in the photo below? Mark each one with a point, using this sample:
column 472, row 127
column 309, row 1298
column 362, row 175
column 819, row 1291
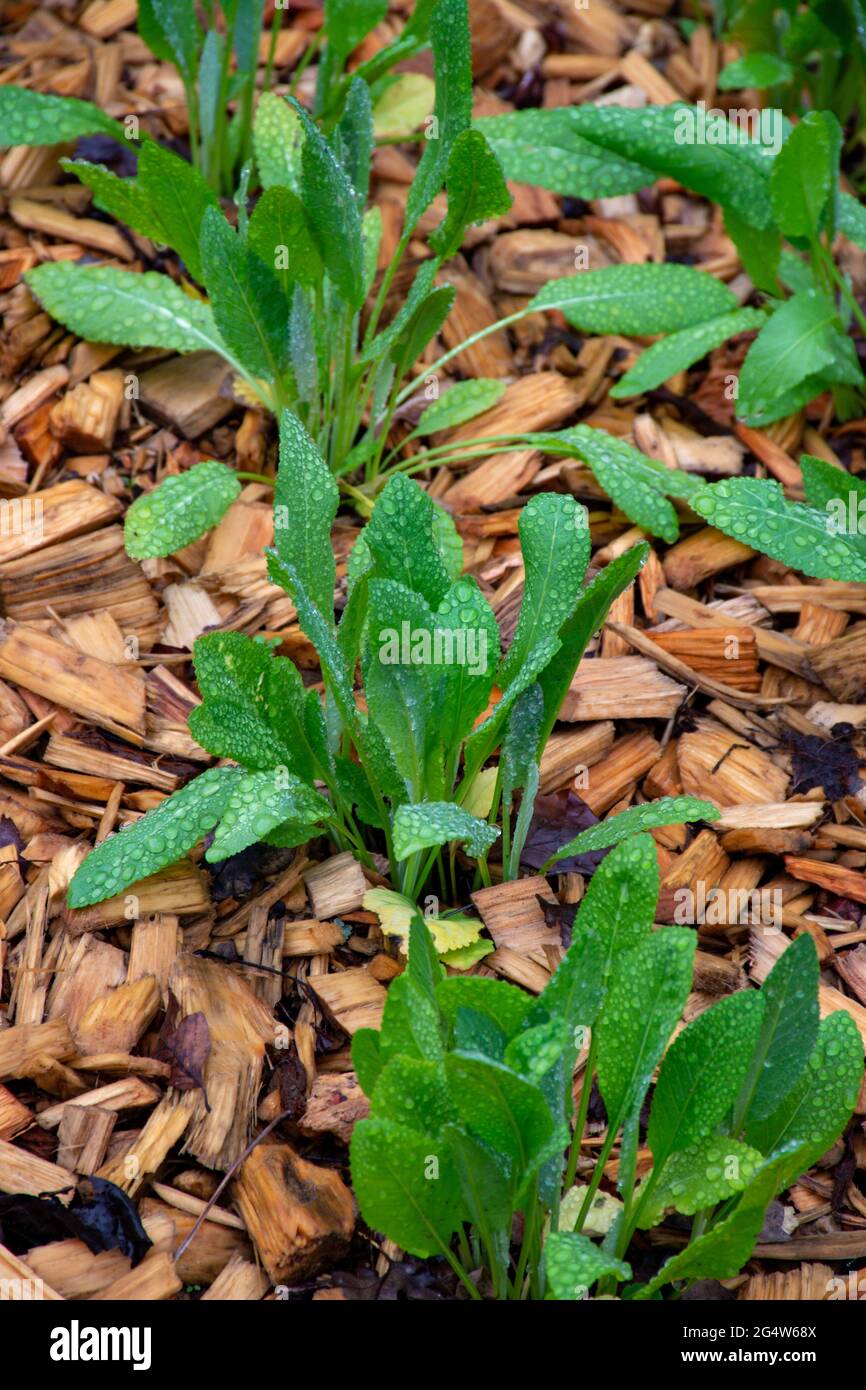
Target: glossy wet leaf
column 161, row 837
column 406, row 1184
column 756, row 512
column 104, row 305
column 179, row 510
column 636, row 299
column 573, row 1263
column 431, row 823
column 259, row 802
column 461, row 402
column 788, row 1032
column 708, row 1171
column 667, row 810
column 678, row 351
column 305, row 504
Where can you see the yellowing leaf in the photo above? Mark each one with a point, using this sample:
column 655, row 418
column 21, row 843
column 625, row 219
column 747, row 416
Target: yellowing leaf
column 452, row 933
column 403, row 106
column 466, row 956
column 480, row 798
column 393, row 910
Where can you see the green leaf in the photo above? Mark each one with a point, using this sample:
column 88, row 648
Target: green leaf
column 124, row 199
column 430, row 823
column 400, row 536
column 347, row 22
column 759, row 249
column 802, row 177
column 179, row 196
column 723, row 1250
column 404, row 104
column 630, row 483
column 545, row 148
column 796, row 343
column 465, row 619
column 177, row 20
column 554, row 540
column 413, row 1092
column 257, row 803
column 755, row 70
column 575, row 992
column 400, row 679
column 507, row 1007
column 280, row 236
column 104, row 305
column 598, row 446
column 757, row 512
column 249, row 307
column 706, row 1172
column 584, row 620
column 620, row 902
column 573, row 1264
column 673, row 354
column 788, row 1033
column 702, row 1073
column 449, row 541
column 699, row 148
column 485, row 1187
column 278, row 139
column 452, row 113
column 647, row 992
column 668, row 810
column 366, row 1058
column 503, row 1110
column 816, row 1110
column 183, row 507
column 484, row 738
column 852, row 219
column 840, row 495
column 320, row 631
column 256, row 709
column 332, row 210
column 422, row 326
column 36, row 118
column 354, row 140
column 462, row 401
column 305, row 504
column 406, row 1185
column 161, row 837
column 636, row 299
column 476, row 191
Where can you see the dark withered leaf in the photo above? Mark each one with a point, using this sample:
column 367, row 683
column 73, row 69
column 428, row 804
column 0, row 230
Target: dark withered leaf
column 29, row 1221
column 292, row 1080
column 184, row 1043
column 556, row 820
column 9, row 834
column 831, row 763
column 843, row 1174
column 773, row 1228
column 559, row 915
column 109, row 1217
column 100, row 1215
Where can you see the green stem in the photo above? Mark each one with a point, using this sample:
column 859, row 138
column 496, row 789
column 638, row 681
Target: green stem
column 461, row 347
column 582, row 1112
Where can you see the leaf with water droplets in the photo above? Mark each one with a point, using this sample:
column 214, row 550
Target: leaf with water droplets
column 37, row 118
column 722, row 1251
column 680, row 350
column 554, row 540
column 648, row 990
column 248, row 303
column 706, row 1172
column 305, row 504
column 544, row 148
column 636, row 299
column 259, row 802
column 179, row 510
column 788, row 1033
column 507, row 1007
column 461, row 402
column 104, row 305
column 757, row 513
column 573, row 1263
column 161, row 837
column 278, row 138
column 392, row 1178
column 817, row 1109
column 413, row 1091
column 400, row 537
column 702, row 1072
column 801, row 341
column 668, row 810
column 429, row 823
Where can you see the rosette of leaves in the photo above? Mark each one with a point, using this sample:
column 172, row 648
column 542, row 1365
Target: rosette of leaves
column 470, row 1086
column 412, row 775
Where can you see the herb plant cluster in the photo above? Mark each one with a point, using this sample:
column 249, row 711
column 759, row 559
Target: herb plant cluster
column 470, row 1085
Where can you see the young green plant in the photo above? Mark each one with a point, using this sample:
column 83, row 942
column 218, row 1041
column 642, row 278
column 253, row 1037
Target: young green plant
column 471, row 1112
